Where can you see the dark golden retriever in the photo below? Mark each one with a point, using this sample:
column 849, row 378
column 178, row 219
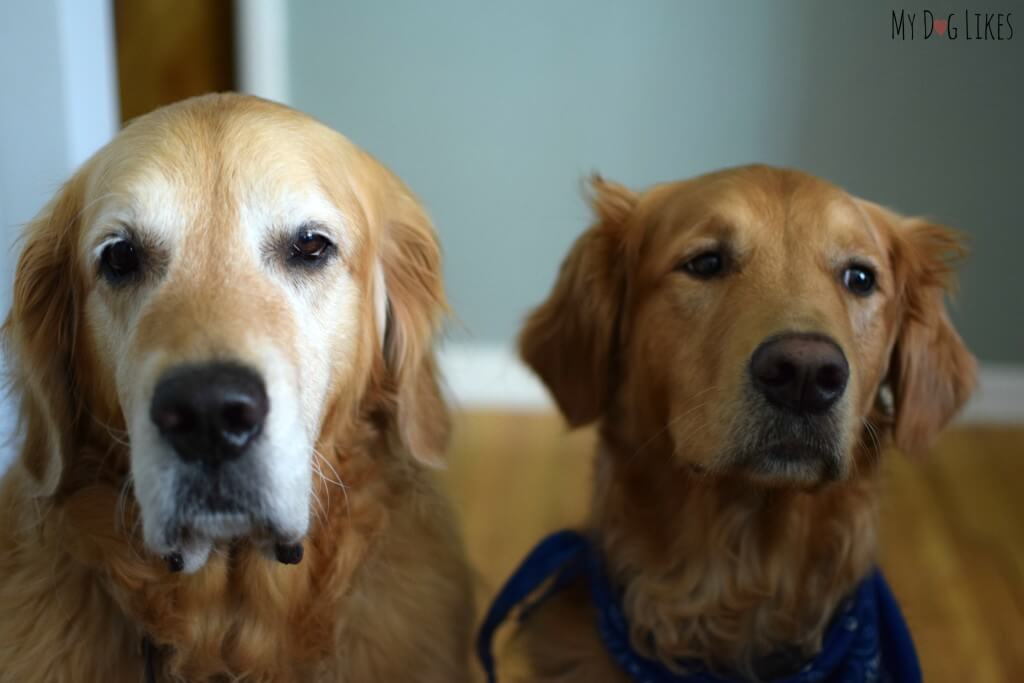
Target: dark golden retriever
column 748, row 342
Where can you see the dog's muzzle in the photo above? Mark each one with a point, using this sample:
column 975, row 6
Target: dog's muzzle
column 212, row 415
column 793, row 429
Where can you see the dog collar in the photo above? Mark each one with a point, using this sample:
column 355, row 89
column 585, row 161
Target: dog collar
column 867, row 640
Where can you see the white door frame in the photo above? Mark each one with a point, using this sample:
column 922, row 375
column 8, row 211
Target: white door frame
column 261, row 55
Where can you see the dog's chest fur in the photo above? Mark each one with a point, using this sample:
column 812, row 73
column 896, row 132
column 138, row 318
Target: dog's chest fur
column 710, row 570
column 95, row 593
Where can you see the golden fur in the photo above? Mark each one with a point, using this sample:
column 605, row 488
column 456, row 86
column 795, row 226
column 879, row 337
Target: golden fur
column 383, row 591
column 717, row 563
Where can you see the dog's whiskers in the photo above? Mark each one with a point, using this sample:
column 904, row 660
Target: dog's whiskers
column 122, row 505
column 321, row 513
column 123, row 501
column 319, row 461
column 876, row 444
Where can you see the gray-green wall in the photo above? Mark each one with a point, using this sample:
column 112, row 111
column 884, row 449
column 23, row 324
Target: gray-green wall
column 493, row 112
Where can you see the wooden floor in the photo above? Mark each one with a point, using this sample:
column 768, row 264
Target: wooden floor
column 953, row 529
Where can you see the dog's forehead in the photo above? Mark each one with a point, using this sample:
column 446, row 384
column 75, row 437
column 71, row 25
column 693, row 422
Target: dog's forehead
column 826, row 215
column 194, row 177
column 783, row 215
column 799, row 206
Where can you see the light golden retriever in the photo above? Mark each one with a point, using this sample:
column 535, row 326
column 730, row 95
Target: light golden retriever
column 747, row 342
column 221, row 339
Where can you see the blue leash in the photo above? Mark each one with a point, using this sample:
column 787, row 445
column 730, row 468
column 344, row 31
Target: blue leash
column 552, row 556
column 866, row 642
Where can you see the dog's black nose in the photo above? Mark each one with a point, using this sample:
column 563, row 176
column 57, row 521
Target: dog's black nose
column 209, row 413
column 803, row 373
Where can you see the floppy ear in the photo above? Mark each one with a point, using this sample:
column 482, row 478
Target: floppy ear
column 411, row 264
column 39, row 336
column 568, row 340
column 932, row 373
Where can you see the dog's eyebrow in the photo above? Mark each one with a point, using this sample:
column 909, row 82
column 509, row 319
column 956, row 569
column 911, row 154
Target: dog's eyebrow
column 714, row 227
column 282, row 234
column 314, row 226
column 717, row 226
column 97, row 251
column 848, row 210
column 315, row 210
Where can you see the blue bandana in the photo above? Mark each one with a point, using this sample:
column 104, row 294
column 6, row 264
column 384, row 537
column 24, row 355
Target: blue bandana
column 866, row 642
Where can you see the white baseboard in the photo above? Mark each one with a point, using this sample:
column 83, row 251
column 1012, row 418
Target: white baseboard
column 999, row 398
column 492, row 377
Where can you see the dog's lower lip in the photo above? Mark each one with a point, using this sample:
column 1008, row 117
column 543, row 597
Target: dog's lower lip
column 794, row 450
column 216, row 527
column 219, row 503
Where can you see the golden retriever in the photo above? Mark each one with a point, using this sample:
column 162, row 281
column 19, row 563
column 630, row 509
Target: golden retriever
column 221, row 339
column 747, row 342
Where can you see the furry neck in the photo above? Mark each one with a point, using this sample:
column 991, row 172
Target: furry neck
column 721, row 569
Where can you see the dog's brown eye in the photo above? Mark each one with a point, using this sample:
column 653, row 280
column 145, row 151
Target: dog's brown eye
column 705, row 265
column 119, row 261
column 859, row 279
column 310, row 246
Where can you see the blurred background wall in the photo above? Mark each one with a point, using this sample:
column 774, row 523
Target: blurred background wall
column 58, row 99
column 58, row 105
column 494, row 113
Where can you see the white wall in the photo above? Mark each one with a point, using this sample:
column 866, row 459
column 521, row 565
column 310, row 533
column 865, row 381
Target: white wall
column 493, row 112
column 58, row 105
